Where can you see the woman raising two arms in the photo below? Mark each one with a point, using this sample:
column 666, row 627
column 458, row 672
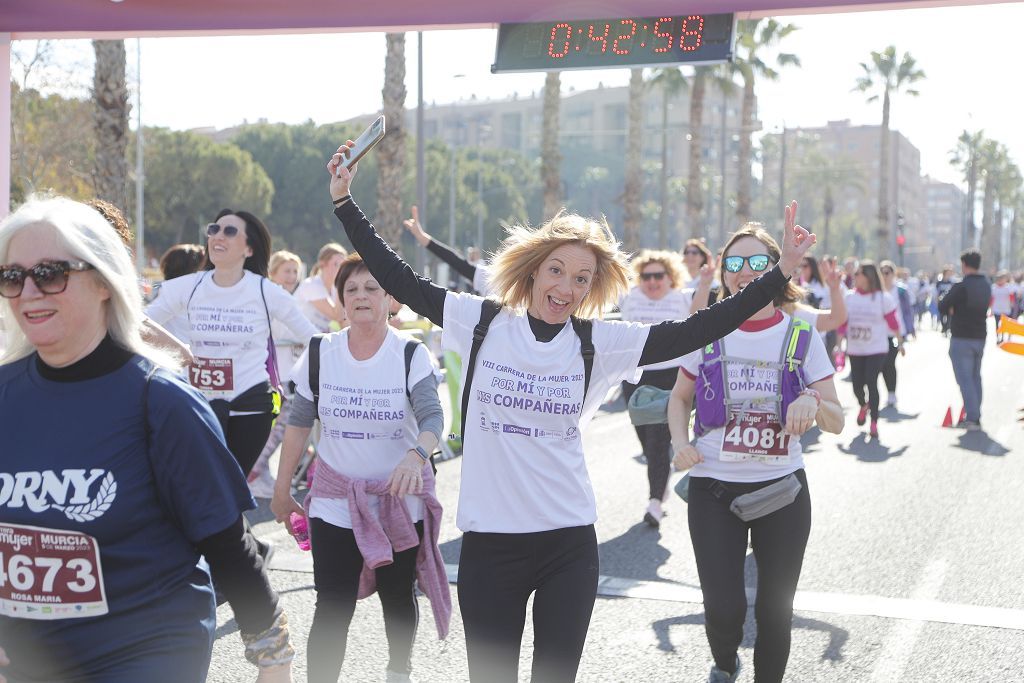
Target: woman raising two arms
column 526, row 505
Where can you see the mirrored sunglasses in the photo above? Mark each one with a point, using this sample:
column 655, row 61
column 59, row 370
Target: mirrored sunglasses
column 757, row 262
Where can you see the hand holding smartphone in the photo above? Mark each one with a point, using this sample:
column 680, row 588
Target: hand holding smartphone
column 373, row 134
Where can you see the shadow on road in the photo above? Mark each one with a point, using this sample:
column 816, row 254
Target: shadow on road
column 837, row 637
column 636, row 554
column 872, row 450
column 893, row 414
column 980, row 442
column 451, row 550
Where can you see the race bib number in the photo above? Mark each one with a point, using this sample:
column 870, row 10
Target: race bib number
column 212, row 375
column 49, row 574
column 755, row 436
column 859, row 333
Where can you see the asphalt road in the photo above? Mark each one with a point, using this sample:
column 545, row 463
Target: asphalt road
column 914, row 571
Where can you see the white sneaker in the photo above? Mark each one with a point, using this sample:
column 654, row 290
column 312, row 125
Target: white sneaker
column 654, row 514
column 263, row 485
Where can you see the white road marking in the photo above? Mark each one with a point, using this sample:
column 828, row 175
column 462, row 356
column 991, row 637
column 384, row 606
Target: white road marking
column 899, row 644
column 918, row 608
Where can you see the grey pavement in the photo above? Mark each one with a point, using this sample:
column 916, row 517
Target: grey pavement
column 914, row 570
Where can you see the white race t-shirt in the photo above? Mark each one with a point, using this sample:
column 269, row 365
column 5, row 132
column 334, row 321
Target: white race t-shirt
column 482, row 280
column 522, row 466
column 228, row 330
column 366, row 421
column 638, row 307
column 1002, row 299
column 747, row 381
column 820, row 292
column 313, row 289
column 867, row 332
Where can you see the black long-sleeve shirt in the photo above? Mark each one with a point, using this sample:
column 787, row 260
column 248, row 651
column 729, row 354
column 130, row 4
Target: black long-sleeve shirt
column 665, row 341
column 456, row 262
column 968, row 301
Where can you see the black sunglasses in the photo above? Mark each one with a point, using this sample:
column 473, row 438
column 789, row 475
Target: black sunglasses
column 757, row 262
column 51, row 277
column 660, row 275
column 213, row 228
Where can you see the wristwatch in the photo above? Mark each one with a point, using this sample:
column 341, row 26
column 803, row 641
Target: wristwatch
column 422, row 452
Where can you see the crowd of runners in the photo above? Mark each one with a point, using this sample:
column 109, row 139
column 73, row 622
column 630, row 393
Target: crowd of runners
column 122, row 531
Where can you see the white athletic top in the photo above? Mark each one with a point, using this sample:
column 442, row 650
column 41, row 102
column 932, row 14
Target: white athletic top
column 867, row 332
column 523, row 468
column 745, row 381
column 229, row 324
column 638, row 307
column 820, row 292
column 482, row 280
column 312, row 289
column 367, row 424
column 1002, row 299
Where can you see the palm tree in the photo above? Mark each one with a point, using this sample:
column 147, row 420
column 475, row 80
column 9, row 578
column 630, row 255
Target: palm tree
column 992, row 160
column 632, row 195
column 891, row 75
column 964, row 157
column 722, row 78
column 671, row 82
column 755, row 36
column 550, row 156
column 110, row 95
column 391, row 151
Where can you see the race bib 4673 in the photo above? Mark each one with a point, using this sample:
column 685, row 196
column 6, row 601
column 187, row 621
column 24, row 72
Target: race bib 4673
column 49, row 574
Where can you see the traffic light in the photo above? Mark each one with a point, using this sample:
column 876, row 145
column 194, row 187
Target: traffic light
column 901, row 239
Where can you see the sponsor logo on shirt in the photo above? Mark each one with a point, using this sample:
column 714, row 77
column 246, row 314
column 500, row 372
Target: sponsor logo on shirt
column 548, row 434
column 515, row 429
column 353, row 435
column 67, row 491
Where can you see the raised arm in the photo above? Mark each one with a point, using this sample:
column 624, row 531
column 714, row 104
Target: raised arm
column 438, row 249
column 395, row 275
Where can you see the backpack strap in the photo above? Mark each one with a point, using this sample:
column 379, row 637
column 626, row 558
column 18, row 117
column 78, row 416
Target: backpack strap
column 314, row 371
column 410, row 351
column 188, row 304
column 584, row 330
column 489, row 308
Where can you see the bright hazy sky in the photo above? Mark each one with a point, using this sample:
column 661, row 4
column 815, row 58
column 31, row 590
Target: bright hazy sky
column 968, row 53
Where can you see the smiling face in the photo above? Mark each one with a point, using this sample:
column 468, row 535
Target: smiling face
column 62, row 327
column 744, row 246
column 228, row 252
column 364, row 300
column 561, row 282
column 654, row 280
column 693, row 258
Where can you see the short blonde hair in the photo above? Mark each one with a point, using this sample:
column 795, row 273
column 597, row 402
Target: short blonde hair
column 279, row 258
column 671, row 261
column 525, row 249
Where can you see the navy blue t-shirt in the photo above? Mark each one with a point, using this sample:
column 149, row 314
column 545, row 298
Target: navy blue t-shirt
column 75, row 458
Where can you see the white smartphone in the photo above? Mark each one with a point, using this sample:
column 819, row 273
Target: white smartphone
column 373, row 134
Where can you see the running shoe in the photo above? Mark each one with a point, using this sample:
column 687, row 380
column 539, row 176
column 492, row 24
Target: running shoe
column 653, row 515
column 719, row 676
column 862, row 416
column 874, row 429
column 892, row 401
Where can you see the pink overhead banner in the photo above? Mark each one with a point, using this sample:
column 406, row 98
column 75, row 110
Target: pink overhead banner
column 39, row 18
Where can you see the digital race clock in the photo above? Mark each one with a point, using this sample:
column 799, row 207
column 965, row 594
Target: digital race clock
column 614, row 43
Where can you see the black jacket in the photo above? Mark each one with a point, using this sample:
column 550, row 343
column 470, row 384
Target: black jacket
column 968, row 302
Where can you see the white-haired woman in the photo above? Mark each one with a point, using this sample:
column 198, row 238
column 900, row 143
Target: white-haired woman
column 104, row 518
column 526, row 505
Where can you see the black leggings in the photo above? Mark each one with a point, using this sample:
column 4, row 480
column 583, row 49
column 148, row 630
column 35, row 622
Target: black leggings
column 497, row 574
column 656, row 442
column 246, row 436
column 720, row 546
column 889, row 367
column 337, row 564
column 864, row 372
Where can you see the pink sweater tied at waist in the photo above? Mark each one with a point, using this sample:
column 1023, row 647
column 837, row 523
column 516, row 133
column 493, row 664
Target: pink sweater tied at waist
column 394, row 530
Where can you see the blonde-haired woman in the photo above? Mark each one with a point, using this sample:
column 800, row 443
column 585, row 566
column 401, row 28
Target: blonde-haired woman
column 317, row 298
column 526, row 505
column 655, row 298
column 285, row 269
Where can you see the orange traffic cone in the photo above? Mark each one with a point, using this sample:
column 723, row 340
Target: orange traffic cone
column 963, row 414
column 948, row 420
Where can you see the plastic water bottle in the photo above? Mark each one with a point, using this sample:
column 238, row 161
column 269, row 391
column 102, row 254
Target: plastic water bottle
column 301, row 530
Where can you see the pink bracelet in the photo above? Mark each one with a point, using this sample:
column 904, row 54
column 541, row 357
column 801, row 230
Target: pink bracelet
column 814, row 393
